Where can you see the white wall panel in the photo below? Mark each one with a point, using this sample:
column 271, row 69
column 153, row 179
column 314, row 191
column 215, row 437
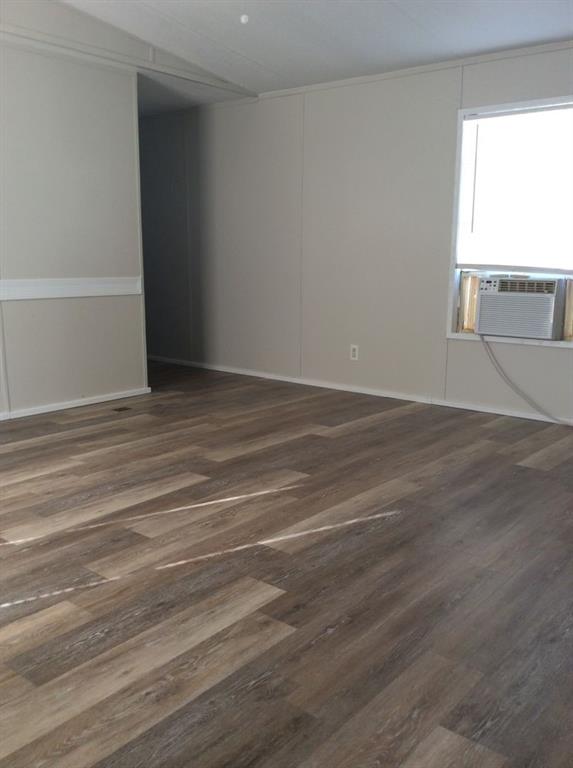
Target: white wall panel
column 70, row 169
column 378, row 173
column 522, row 78
column 545, row 373
column 61, row 350
column 376, row 189
column 251, row 172
column 69, row 214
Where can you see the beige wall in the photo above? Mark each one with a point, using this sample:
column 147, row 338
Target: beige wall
column 70, row 167
column 69, row 205
column 313, row 220
column 251, row 187
column 545, row 373
column 328, row 222
column 69, row 209
column 62, row 350
column 379, row 159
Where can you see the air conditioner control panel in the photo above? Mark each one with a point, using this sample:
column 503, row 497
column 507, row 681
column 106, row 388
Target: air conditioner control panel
column 488, row 284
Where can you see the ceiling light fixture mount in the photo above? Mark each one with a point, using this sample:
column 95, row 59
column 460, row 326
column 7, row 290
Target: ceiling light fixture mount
column 244, row 18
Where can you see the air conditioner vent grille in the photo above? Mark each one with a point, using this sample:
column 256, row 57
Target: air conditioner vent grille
column 527, row 286
column 520, row 307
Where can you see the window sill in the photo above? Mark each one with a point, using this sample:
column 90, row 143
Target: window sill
column 457, row 336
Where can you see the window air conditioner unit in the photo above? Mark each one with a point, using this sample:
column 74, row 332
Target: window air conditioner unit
column 522, row 307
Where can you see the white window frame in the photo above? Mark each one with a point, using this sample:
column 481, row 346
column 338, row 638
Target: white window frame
column 455, row 269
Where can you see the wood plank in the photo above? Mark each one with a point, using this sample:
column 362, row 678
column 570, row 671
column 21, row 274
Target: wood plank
column 136, row 708
column 384, row 731
column 444, row 749
column 439, row 636
column 122, row 665
column 93, row 512
column 371, row 502
column 26, row 633
column 550, row 456
column 13, row 686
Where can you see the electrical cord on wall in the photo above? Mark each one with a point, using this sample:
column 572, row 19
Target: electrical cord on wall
column 515, row 388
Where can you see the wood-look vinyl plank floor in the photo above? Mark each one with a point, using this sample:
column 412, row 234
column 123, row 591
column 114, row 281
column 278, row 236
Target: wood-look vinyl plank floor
column 233, row 572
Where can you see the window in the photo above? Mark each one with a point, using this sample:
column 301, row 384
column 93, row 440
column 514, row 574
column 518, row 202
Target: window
column 516, row 190
column 515, row 201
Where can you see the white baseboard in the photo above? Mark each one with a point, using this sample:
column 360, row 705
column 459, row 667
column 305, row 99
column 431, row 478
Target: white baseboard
column 18, row 413
column 359, row 389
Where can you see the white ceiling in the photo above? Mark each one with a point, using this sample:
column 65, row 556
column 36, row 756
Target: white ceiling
column 289, row 43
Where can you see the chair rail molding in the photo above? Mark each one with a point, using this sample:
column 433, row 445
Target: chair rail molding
column 68, row 287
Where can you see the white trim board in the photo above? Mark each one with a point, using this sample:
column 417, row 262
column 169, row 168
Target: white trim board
column 506, row 53
column 143, row 323
column 358, row 389
column 68, row 287
column 92, row 400
column 467, row 336
column 50, row 44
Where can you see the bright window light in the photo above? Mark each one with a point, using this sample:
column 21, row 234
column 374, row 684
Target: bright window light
column 516, row 190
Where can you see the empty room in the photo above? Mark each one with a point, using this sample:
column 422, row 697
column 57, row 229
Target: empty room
column 286, row 384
